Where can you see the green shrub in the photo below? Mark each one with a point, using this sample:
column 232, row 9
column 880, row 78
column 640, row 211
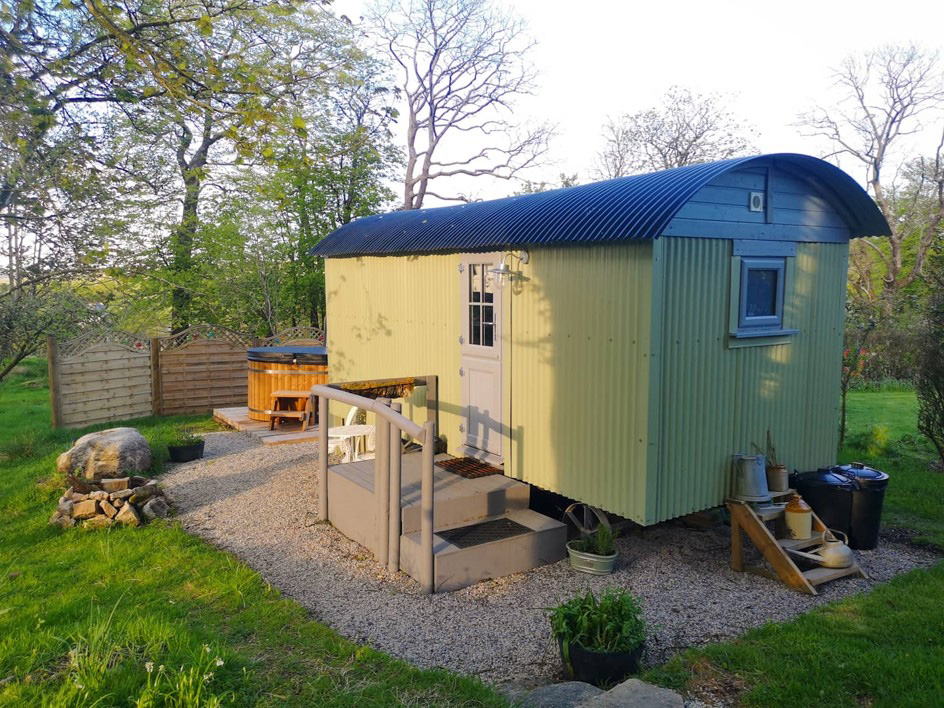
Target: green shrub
column 601, row 542
column 185, row 437
column 886, row 385
column 612, row 623
column 929, row 382
column 872, row 442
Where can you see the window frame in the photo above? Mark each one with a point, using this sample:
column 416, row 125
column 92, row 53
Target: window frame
column 754, row 250
column 472, row 305
column 761, row 323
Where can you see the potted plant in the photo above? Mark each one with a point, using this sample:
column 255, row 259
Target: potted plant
column 777, row 478
column 601, row 640
column 186, row 447
column 595, row 553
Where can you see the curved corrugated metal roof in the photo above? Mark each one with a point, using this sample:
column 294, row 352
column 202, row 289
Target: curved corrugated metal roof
column 629, row 208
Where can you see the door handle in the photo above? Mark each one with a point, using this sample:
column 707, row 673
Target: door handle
column 461, row 371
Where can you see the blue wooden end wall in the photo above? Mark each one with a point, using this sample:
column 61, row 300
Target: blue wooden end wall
column 796, row 208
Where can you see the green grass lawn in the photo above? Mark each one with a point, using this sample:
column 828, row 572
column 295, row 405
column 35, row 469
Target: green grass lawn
column 84, row 614
column 895, row 410
column 883, row 648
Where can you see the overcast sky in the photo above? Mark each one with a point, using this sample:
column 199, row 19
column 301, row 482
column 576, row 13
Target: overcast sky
column 601, row 57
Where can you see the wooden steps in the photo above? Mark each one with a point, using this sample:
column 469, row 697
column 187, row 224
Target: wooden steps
column 778, row 550
column 461, row 504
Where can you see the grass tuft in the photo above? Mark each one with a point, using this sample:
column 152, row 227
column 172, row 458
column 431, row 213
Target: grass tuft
column 20, row 447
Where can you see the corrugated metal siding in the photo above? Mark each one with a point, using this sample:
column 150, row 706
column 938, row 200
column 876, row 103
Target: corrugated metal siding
column 717, row 400
column 629, row 208
column 578, row 374
column 390, row 317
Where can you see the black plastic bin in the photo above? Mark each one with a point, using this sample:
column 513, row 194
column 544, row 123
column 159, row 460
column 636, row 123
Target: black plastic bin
column 847, row 498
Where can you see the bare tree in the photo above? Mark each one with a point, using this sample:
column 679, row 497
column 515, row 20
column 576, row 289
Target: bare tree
column 462, row 63
column 686, row 129
column 891, row 93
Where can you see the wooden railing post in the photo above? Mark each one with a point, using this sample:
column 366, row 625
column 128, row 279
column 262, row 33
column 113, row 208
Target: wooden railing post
column 382, row 486
column 52, row 362
column 396, row 455
column 322, row 458
column 427, row 561
column 156, row 403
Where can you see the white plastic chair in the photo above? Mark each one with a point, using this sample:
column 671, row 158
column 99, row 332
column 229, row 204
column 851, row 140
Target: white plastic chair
column 352, row 437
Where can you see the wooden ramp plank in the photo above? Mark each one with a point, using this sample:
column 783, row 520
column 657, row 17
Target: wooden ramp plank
column 793, row 544
column 818, row 576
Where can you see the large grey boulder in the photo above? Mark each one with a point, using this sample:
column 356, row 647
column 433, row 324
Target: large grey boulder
column 107, row 453
column 636, row 694
column 561, row 695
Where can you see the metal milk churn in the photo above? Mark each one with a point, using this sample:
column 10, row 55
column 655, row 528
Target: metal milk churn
column 750, row 478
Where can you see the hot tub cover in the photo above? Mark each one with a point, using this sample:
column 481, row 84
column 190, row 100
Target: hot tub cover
column 288, row 355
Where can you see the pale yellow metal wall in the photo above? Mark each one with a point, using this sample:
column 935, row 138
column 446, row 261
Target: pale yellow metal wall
column 397, row 316
column 714, row 399
column 577, row 373
column 581, row 417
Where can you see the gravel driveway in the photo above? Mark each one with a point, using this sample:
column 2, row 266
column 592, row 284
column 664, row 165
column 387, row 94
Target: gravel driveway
column 258, row 503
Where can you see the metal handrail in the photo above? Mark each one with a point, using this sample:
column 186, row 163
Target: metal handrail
column 373, row 405
column 386, row 487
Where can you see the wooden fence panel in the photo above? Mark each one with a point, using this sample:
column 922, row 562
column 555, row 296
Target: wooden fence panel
column 108, row 376
column 98, row 379
column 201, row 369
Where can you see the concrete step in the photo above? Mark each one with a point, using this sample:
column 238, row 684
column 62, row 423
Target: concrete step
column 351, row 504
column 465, row 501
column 456, row 566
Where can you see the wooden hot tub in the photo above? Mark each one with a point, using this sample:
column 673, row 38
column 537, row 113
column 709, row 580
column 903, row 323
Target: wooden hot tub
column 288, row 368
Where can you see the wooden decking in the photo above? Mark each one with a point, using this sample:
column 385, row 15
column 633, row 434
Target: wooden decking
column 285, row 434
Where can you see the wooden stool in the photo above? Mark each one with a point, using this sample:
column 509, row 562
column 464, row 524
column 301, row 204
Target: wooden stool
column 291, row 404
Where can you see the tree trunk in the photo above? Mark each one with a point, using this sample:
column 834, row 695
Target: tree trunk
column 842, row 414
column 182, row 250
column 13, row 362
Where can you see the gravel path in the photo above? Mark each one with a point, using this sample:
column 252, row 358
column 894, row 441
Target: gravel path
column 258, row 503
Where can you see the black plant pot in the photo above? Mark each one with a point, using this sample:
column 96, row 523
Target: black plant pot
column 601, row 668
column 186, row 453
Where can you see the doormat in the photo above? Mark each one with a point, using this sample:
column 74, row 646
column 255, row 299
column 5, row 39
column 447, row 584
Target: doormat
column 477, row 534
column 468, row 467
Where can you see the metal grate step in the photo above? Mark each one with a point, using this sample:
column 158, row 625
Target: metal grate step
column 468, row 467
column 483, row 532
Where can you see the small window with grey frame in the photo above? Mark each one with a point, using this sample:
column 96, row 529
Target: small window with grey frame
column 761, row 297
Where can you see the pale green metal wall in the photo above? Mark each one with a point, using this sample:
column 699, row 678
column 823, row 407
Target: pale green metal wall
column 715, row 399
column 577, row 365
column 397, row 316
column 596, row 406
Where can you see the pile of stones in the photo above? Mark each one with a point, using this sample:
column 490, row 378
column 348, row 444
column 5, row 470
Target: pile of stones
column 122, row 500
column 104, row 487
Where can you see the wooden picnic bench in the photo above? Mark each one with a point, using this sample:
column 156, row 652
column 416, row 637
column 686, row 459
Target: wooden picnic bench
column 295, row 405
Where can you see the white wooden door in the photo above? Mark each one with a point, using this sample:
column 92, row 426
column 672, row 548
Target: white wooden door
column 480, row 342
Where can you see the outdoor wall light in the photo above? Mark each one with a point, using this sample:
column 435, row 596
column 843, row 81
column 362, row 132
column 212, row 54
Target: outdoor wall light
column 503, row 269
